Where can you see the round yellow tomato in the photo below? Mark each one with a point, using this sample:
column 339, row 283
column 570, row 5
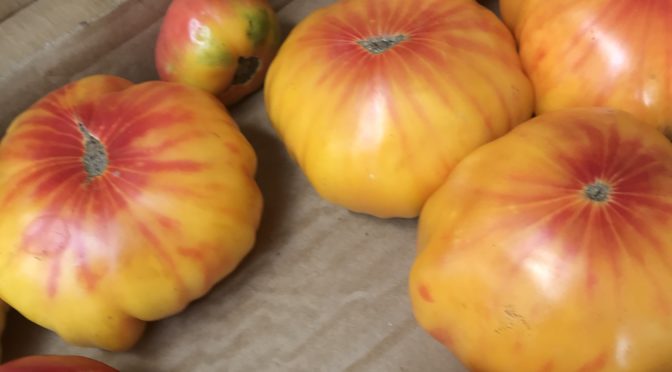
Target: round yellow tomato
column 550, row 249
column 378, row 100
column 221, row 46
column 597, row 53
column 120, row 204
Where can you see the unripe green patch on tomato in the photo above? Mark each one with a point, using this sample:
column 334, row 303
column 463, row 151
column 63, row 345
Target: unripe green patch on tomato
column 215, row 55
column 259, row 25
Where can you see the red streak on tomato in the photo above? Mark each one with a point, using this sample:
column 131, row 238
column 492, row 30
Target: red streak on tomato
column 425, row 294
column 595, row 365
column 166, row 258
column 443, row 336
column 196, row 255
column 548, row 367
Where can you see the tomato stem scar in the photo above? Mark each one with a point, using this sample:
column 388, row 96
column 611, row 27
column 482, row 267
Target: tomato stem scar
column 95, row 157
column 597, row 191
column 380, row 44
column 247, row 67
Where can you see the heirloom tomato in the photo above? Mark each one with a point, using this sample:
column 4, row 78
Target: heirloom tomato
column 121, row 203
column 597, row 53
column 550, row 249
column 56, row 363
column 221, row 46
column 378, row 100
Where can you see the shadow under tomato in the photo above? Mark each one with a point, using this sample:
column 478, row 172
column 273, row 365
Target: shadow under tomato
column 491, row 4
column 20, row 336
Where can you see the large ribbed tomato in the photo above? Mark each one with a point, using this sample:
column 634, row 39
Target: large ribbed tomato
column 221, row 46
column 120, row 204
column 378, row 100
column 550, row 249
column 597, row 53
column 56, row 363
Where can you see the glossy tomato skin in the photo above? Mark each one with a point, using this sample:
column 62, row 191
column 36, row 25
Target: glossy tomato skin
column 212, row 44
column 377, row 130
column 93, row 256
column 597, row 53
column 550, row 249
column 56, row 363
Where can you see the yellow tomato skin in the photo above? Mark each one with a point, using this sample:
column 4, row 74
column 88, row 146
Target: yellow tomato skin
column 518, row 269
column 175, row 209
column 377, row 132
column 203, row 43
column 597, row 53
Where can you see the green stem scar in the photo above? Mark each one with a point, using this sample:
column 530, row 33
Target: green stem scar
column 95, row 157
column 247, row 67
column 381, row 44
column 597, row 191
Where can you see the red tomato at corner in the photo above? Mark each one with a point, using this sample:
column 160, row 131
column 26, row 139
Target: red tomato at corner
column 55, row 363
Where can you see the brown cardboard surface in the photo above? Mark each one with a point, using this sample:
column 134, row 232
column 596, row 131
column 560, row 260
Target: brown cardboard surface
column 323, row 290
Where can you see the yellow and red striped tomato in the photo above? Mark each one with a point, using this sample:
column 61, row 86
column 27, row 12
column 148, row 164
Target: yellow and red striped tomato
column 378, row 100
column 221, row 46
column 56, row 363
column 550, row 249
column 120, row 204
column 597, row 53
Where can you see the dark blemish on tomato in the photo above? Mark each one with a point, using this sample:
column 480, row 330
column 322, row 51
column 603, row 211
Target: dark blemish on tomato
column 425, row 294
column 247, row 68
column 512, row 320
column 381, row 44
column 95, row 158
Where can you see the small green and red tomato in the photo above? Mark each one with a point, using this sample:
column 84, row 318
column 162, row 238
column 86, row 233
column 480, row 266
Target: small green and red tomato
column 221, row 46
